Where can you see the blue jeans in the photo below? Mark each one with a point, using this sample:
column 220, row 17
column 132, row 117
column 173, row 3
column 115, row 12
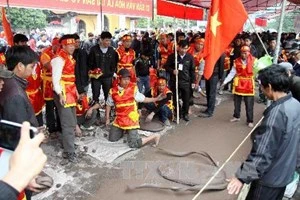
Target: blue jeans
column 163, row 113
column 144, row 81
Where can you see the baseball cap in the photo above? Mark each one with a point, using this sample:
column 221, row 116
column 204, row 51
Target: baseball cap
column 5, row 73
column 287, row 66
column 124, row 73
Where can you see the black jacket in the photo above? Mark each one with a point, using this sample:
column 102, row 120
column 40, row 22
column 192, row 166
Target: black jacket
column 273, row 157
column 142, row 67
column 7, row 191
column 219, row 67
column 15, row 106
column 81, row 70
column 187, row 74
column 106, row 62
column 295, row 86
column 297, row 69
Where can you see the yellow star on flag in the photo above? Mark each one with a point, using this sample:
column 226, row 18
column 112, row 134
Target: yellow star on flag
column 214, row 23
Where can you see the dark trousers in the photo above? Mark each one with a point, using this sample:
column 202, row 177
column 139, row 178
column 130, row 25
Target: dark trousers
column 249, row 104
column 87, row 122
column 105, row 83
column 260, row 192
column 185, row 94
column 133, row 138
column 211, row 93
column 39, row 118
column 52, row 118
column 164, row 112
column 68, row 122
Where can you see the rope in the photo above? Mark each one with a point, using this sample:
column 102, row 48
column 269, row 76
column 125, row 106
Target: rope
column 228, row 159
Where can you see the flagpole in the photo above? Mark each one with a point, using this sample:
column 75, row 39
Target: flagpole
column 275, row 60
column 176, row 68
column 262, row 43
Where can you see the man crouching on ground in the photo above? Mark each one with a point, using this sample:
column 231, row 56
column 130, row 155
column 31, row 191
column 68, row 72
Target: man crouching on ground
column 124, row 97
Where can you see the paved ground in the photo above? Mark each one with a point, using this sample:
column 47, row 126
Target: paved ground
column 91, row 179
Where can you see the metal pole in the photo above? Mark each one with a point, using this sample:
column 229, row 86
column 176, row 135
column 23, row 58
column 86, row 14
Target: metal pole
column 176, row 68
column 101, row 20
column 275, row 59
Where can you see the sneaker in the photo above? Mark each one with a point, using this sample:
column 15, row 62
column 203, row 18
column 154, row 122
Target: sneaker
column 72, row 157
column 235, row 119
column 90, row 128
column 68, row 158
column 220, row 92
column 167, row 123
column 250, row 125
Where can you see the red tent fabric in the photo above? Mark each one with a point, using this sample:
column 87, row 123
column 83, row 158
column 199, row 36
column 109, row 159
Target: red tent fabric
column 261, row 22
column 251, row 6
column 177, row 10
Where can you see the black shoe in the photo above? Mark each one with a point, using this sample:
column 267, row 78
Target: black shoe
column 186, row 118
column 69, row 157
column 205, row 115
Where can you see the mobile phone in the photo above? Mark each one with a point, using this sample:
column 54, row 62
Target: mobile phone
column 32, row 129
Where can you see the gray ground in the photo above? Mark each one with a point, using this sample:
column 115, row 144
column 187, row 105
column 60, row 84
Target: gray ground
column 99, row 180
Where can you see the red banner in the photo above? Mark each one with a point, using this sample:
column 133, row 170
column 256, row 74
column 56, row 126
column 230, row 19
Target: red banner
column 120, row 7
column 181, row 11
column 261, row 22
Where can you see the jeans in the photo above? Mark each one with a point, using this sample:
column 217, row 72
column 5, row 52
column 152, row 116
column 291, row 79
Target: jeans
column 163, row 113
column 211, row 92
column 144, row 81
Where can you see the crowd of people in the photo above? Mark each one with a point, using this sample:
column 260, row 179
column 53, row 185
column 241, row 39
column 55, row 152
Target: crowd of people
column 139, row 74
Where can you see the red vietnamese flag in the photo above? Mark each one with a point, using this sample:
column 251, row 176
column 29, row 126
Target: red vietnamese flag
column 7, row 29
column 226, row 19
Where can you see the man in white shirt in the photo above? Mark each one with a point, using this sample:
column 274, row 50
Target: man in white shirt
column 66, row 95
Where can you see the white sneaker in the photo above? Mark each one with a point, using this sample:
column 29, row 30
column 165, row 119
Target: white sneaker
column 91, row 128
column 250, row 125
column 167, row 123
column 235, row 119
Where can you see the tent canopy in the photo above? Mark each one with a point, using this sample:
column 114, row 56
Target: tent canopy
column 250, row 5
column 184, row 8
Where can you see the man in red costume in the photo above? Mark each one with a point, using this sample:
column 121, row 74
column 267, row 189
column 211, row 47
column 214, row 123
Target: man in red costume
column 35, row 93
column 243, row 84
column 66, row 95
column 126, row 57
column 165, row 48
column 124, row 97
column 52, row 119
column 164, row 108
column 196, row 51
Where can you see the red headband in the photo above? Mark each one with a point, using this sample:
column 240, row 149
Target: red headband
column 68, row 41
column 55, row 41
column 199, row 41
column 161, row 81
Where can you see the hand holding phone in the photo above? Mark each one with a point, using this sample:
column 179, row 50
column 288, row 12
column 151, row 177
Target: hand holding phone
column 27, row 161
